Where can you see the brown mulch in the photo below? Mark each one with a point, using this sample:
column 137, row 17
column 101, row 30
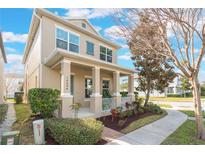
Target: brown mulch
column 107, row 121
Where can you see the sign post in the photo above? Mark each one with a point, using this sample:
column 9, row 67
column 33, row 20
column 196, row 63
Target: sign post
column 38, row 128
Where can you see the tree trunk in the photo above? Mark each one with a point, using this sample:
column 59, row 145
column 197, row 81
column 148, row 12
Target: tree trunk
column 148, row 92
column 198, row 110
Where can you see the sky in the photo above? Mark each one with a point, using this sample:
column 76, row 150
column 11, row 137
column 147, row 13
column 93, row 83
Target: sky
column 15, row 23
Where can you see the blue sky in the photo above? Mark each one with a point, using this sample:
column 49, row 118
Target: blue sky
column 14, row 23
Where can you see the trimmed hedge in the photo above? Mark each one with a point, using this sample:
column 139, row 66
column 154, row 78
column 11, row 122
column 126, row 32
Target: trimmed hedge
column 44, row 101
column 3, row 112
column 74, row 131
column 18, row 96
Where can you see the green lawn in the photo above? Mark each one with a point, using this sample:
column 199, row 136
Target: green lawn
column 184, row 135
column 11, row 100
column 165, row 105
column 173, row 99
column 24, row 123
column 190, row 113
column 3, row 112
column 142, row 122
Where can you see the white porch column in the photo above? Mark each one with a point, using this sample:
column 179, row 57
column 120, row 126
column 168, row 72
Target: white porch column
column 116, row 88
column 96, row 98
column 131, row 87
column 67, row 98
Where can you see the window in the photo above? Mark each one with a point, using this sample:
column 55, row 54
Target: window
column 105, row 54
column 73, row 42
column 67, row 40
column 88, row 87
column 83, row 25
column 90, row 48
column 62, row 39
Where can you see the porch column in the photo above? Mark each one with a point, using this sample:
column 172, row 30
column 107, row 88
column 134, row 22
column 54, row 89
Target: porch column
column 96, row 98
column 67, row 98
column 131, row 87
column 116, row 88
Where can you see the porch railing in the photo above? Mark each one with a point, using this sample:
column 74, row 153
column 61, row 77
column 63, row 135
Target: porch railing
column 108, row 103
column 124, row 100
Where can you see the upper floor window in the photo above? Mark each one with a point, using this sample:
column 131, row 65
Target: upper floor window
column 62, row 39
column 90, row 48
column 83, row 25
column 105, row 54
column 67, row 40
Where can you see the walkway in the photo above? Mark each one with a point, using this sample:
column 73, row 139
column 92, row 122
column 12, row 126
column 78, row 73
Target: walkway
column 154, row 133
column 10, row 119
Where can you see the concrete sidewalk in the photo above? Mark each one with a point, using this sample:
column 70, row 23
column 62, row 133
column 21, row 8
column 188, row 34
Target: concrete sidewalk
column 154, row 133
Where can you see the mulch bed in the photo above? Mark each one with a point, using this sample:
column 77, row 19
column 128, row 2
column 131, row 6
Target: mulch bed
column 107, row 121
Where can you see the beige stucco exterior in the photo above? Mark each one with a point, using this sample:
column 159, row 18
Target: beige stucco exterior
column 2, row 62
column 49, row 67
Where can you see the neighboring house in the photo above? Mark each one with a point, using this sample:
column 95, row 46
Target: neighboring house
column 2, row 61
column 174, row 88
column 70, row 55
column 13, row 83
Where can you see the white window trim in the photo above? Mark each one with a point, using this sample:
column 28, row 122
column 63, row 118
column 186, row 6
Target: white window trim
column 106, row 53
column 68, row 41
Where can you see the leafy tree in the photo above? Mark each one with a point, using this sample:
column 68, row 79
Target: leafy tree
column 185, row 85
column 154, row 71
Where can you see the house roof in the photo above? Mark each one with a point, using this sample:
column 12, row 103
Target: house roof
column 2, row 48
column 38, row 13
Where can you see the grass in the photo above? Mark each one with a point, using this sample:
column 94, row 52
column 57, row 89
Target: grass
column 190, row 113
column 3, row 112
column 173, row 99
column 12, row 100
column 23, row 123
column 184, row 135
column 142, row 122
column 165, row 105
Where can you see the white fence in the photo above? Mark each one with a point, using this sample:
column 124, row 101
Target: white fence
column 108, row 103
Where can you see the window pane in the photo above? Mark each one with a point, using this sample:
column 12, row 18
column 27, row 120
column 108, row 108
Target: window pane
column 61, row 34
column 90, row 48
column 109, row 59
column 105, row 84
column 61, row 44
column 102, row 57
column 88, row 87
column 109, row 52
column 83, row 25
column 102, row 49
column 73, row 38
column 72, row 85
column 73, row 47
column 88, row 92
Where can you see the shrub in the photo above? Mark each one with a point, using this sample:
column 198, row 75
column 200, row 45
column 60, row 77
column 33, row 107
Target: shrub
column 18, row 96
column 44, row 101
column 3, row 111
column 106, row 94
column 174, row 95
column 153, row 108
column 74, row 131
column 124, row 94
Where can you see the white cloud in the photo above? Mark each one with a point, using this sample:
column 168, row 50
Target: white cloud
column 89, row 13
column 12, row 37
column 114, row 32
column 8, row 49
column 14, row 58
column 98, row 28
column 203, row 59
column 125, row 46
column 201, row 76
column 126, row 56
column 15, row 68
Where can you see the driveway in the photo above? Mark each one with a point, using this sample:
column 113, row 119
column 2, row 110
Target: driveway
column 154, row 133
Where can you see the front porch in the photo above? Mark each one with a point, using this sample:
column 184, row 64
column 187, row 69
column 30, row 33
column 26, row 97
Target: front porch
column 96, row 88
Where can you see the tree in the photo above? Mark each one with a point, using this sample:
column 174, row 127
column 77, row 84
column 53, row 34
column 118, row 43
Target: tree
column 185, row 85
column 180, row 31
column 154, row 71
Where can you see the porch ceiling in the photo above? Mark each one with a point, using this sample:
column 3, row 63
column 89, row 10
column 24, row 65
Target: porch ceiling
column 55, row 58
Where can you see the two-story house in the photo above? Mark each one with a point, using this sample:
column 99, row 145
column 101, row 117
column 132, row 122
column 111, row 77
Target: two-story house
column 2, row 62
column 70, row 55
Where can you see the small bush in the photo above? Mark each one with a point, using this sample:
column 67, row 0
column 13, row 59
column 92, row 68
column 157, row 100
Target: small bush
column 18, row 96
column 124, row 94
column 44, row 101
column 174, row 95
column 3, row 112
column 74, row 131
column 150, row 107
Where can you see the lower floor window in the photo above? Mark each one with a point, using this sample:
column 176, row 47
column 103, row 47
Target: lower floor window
column 88, row 87
column 72, row 84
column 105, row 89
